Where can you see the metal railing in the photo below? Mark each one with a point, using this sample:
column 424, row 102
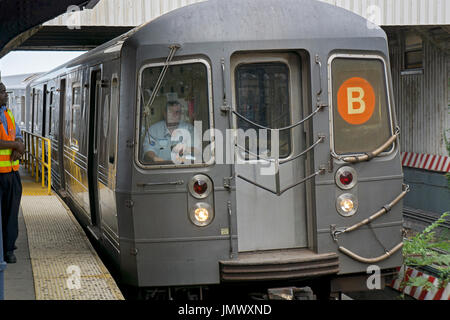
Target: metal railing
column 35, row 155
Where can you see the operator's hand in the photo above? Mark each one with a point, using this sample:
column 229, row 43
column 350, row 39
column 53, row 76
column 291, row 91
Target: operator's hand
column 180, row 150
column 151, row 156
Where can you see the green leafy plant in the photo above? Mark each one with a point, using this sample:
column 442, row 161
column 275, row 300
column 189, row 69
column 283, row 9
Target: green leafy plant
column 447, row 145
column 420, row 251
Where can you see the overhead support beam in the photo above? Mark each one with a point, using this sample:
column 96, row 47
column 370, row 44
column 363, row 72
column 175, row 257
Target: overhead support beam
column 20, row 16
column 60, row 38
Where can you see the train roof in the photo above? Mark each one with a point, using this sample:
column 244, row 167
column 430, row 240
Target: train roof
column 234, row 21
column 249, row 20
column 19, row 81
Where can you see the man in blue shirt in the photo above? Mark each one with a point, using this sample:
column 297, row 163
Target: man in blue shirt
column 10, row 184
column 169, row 140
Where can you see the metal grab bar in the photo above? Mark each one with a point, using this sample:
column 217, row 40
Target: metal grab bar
column 379, row 213
column 386, row 208
column 371, row 260
column 240, row 116
column 31, row 159
column 321, row 138
column 370, row 155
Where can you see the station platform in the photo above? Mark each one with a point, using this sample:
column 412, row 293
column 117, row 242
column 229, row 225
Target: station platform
column 55, row 260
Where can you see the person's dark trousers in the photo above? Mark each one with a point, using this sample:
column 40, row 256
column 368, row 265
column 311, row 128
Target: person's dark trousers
column 10, row 195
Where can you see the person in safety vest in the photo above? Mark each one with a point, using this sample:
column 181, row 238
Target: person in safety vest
column 11, row 149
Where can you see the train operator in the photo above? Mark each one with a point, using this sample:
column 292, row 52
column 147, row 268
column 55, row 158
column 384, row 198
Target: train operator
column 11, row 149
column 163, row 143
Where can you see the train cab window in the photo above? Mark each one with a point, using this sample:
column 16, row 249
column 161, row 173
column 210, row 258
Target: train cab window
column 75, row 116
column 360, row 105
column 174, row 119
column 262, row 96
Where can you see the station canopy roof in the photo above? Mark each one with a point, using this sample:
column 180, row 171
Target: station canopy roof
column 19, row 19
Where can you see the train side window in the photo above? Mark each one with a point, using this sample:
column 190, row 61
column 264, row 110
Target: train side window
column 113, row 117
column 173, row 124
column 360, row 104
column 75, row 116
column 262, row 96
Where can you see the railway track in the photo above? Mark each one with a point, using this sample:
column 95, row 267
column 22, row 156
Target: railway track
column 423, row 218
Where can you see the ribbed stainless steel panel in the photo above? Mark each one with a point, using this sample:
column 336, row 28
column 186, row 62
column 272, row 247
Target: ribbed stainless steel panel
column 422, row 101
column 383, row 12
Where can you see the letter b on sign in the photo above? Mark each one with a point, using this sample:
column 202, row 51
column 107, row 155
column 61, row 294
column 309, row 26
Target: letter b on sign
column 356, row 101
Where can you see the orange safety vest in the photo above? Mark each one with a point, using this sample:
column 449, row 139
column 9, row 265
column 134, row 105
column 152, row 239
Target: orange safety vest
column 6, row 165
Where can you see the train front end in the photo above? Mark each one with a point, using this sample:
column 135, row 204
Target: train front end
column 257, row 152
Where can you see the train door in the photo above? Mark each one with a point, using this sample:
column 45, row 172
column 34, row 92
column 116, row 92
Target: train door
column 107, row 149
column 51, row 128
column 267, row 91
column 60, row 131
column 95, row 99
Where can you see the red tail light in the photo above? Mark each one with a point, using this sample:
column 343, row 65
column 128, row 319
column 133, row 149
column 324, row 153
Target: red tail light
column 200, row 187
column 346, row 177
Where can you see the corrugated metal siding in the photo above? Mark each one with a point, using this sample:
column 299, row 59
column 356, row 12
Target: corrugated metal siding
column 422, row 101
column 384, row 12
column 399, row 12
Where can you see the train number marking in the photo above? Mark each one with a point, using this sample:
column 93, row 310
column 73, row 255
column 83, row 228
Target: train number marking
column 356, row 100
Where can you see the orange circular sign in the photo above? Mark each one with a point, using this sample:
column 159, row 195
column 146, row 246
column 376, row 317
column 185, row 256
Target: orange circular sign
column 356, row 100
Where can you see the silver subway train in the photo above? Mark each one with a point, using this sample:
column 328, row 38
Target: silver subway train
column 232, row 144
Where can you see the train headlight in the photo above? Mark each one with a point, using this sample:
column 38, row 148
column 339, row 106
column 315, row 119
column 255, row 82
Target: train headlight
column 201, row 214
column 346, row 178
column 347, row 204
column 200, row 186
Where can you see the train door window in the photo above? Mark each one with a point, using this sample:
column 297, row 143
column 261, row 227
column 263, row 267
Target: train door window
column 51, row 124
column 33, row 107
column 173, row 121
column 113, row 116
column 262, row 96
column 45, row 100
column 36, row 111
column 22, row 110
column 75, row 121
column 360, row 106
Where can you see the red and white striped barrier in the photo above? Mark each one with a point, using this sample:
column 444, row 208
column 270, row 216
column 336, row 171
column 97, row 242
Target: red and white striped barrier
column 420, row 293
column 426, row 161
